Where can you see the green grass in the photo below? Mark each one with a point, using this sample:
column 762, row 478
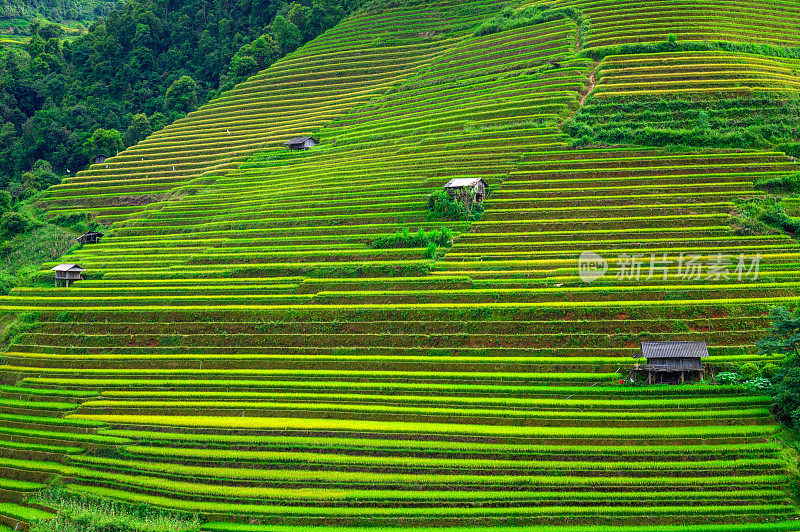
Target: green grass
column 342, row 425
column 42, row 244
column 748, row 527
column 23, row 513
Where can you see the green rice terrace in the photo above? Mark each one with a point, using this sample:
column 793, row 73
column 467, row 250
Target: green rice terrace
column 252, row 348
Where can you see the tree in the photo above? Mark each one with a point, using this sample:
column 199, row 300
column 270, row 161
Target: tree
column 13, row 223
column 40, row 177
column 52, row 31
column 105, row 142
column 7, row 134
column 253, row 57
column 181, row 96
column 264, row 50
column 42, row 166
column 54, row 94
column 787, row 397
column 5, row 201
column 139, row 129
column 242, row 67
column 157, row 121
column 300, row 16
column 784, row 335
column 287, row 35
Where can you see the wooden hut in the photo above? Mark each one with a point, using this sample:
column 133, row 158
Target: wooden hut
column 668, row 360
column 100, row 158
column 90, row 237
column 470, row 191
column 301, row 143
column 67, row 274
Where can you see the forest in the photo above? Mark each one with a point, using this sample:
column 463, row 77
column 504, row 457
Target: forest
column 55, row 10
column 143, row 66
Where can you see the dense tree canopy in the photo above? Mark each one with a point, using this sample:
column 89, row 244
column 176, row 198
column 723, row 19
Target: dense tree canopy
column 146, row 64
column 56, row 10
column 784, row 337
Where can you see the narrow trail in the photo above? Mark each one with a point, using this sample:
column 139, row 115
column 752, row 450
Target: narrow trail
column 590, row 88
column 592, row 83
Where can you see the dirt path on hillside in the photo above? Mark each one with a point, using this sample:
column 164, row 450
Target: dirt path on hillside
column 592, row 83
column 590, row 88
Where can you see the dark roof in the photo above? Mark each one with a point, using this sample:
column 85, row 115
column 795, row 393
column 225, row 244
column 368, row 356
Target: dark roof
column 299, row 140
column 464, row 182
column 674, row 349
column 88, row 235
column 67, row 267
column 103, row 155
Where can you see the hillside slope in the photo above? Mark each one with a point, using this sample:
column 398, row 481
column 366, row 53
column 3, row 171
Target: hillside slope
column 242, row 350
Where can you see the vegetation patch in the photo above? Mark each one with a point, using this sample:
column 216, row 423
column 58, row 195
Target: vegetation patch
column 741, row 122
column 763, row 216
column 430, row 240
column 85, row 512
column 24, row 322
column 443, row 206
column 510, row 19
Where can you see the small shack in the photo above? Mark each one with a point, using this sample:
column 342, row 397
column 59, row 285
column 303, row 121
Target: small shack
column 470, row 191
column 90, row 237
column 67, row 274
column 301, row 143
column 671, row 361
column 100, row 158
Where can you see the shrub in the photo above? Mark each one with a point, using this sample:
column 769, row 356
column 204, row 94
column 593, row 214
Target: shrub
column 776, row 216
column 92, row 513
column 430, row 251
column 787, row 397
column 79, row 221
column 790, row 148
column 509, row 19
column 422, row 238
column 762, row 216
column 759, row 385
column 784, row 335
column 13, row 223
column 5, row 201
column 728, row 377
column 748, row 370
column 442, row 206
column 7, row 282
column 181, row 96
column 770, row 370
column 25, row 322
column 785, row 184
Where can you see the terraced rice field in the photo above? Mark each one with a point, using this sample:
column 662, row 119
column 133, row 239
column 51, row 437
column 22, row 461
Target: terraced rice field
column 622, row 119
column 695, row 73
column 699, row 98
column 342, row 69
column 243, row 352
column 631, row 21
